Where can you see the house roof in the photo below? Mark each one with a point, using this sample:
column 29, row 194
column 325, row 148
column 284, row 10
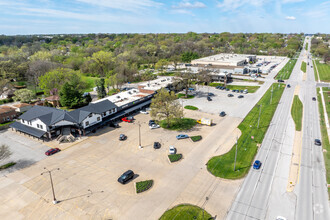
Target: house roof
column 53, row 98
column 6, row 109
column 20, row 105
column 47, row 115
column 50, row 116
column 98, row 108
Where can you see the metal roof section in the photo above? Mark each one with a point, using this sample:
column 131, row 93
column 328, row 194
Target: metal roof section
column 27, row 129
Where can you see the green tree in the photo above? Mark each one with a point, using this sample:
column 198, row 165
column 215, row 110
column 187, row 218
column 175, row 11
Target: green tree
column 187, row 57
column 70, row 96
column 23, row 95
column 161, row 63
column 165, row 106
column 103, row 62
column 185, row 81
column 101, row 93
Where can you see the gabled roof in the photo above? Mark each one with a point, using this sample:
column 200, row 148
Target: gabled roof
column 80, row 114
column 47, row 115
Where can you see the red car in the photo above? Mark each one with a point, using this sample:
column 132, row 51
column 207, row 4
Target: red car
column 52, row 151
column 125, row 119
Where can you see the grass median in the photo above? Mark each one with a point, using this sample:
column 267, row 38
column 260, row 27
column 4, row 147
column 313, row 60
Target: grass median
column 297, row 112
column 325, row 139
column 190, row 107
column 179, row 124
column 303, row 66
column 324, row 70
column 223, row 165
column 186, row 212
column 251, row 89
column 286, row 71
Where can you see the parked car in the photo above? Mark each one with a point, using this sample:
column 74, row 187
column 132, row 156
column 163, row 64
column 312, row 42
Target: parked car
column 151, row 122
column 240, row 96
column 172, row 150
column 126, row 119
column 156, row 145
column 114, row 125
column 125, row 177
column 257, row 165
column 144, row 112
column 314, row 99
column 280, row 218
column 209, row 98
column 182, row 136
column 154, row 126
column 230, row 95
column 222, row 114
column 288, row 86
column 122, row 137
column 280, row 80
column 52, row 151
column 317, row 142
column 241, row 91
column 218, row 87
column 227, row 89
column 210, row 94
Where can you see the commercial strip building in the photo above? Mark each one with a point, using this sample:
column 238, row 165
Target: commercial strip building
column 47, row 123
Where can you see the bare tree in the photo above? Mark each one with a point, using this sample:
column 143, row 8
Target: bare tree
column 4, row 152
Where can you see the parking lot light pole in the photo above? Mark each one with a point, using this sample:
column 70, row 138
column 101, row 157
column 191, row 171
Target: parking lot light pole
column 140, row 135
column 235, row 155
column 51, row 182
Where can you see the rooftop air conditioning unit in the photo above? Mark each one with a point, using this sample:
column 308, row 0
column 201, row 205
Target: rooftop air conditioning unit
column 118, row 97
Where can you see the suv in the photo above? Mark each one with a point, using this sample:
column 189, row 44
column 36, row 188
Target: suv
column 125, row 177
column 122, row 137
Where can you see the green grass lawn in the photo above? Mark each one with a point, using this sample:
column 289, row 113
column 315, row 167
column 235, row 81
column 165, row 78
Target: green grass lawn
column 223, row 165
column 179, row 124
column 251, row 89
column 190, row 107
column 324, row 71
column 315, row 73
column 186, row 212
column 297, row 112
column 325, row 140
column 285, row 72
column 90, row 81
column 303, row 66
column 326, row 94
column 183, row 96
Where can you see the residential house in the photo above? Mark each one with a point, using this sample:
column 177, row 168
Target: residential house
column 7, row 114
column 22, row 107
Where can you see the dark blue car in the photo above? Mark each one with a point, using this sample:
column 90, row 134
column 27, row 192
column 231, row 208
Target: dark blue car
column 257, row 165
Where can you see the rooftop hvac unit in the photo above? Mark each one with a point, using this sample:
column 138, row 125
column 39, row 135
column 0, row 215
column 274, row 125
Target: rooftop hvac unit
column 118, row 97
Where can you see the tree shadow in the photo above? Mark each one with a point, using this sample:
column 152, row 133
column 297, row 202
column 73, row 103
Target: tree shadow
column 20, row 164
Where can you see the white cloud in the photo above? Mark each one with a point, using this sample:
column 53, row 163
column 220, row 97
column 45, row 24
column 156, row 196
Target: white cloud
column 189, row 5
column 125, row 5
column 292, row 1
column 181, row 11
column 230, row 5
column 290, row 18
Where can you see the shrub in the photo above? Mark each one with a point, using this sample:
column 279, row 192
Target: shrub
column 174, row 157
column 5, row 166
column 190, row 107
column 196, row 138
column 183, row 96
column 143, row 186
column 180, row 124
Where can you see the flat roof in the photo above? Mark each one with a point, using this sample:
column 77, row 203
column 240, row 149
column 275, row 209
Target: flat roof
column 160, row 82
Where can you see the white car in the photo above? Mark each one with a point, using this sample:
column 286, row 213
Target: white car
column 144, row 112
column 280, row 218
column 172, row 150
column 154, row 126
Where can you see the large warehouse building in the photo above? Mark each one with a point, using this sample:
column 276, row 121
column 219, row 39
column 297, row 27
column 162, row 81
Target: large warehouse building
column 225, row 59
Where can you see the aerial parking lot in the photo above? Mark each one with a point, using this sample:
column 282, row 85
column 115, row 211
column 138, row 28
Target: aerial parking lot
column 86, row 182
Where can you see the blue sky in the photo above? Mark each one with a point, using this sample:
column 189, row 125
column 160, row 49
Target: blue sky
column 161, row 16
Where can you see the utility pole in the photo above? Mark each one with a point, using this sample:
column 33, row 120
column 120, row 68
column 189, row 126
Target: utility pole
column 271, row 96
column 259, row 115
column 235, row 154
column 51, row 182
column 139, row 135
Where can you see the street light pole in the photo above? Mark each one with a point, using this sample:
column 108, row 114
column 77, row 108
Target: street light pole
column 259, row 115
column 139, row 135
column 271, row 97
column 235, row 155
column 51, row 182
